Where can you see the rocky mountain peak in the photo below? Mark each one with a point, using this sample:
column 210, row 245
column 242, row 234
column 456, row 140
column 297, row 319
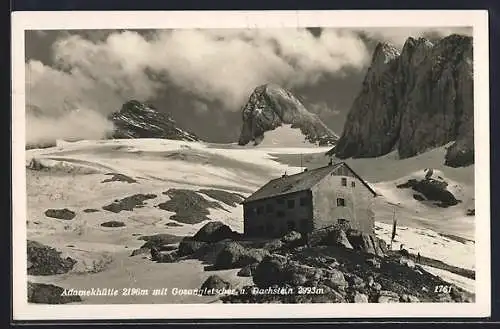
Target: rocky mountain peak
column 270, row 106
column 384, row 53
column 140, row 120
column 420, row 99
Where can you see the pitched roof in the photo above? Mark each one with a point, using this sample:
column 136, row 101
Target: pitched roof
column 298, row 182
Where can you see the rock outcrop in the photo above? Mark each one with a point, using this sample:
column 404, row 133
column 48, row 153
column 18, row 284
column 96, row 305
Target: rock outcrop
column 45, row 260
column 65, row 213
column 431, row 190
column 138, row 120
column 40, row 293
column 414, row 100
column 271, row 106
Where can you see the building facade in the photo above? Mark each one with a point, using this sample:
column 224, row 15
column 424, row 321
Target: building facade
column 311, row 200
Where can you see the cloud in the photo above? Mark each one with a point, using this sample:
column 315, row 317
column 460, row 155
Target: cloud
column 98, row 74
column 322, row 109
column 73, row 125
column 220, row 65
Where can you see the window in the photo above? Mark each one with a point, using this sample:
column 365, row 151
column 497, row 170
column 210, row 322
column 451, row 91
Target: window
column 269, row 208
column 353, row 184
column 291, row 204
column 340, row 202
column 303, row 201
column 280, row 213
column 280, row 201
column 344, row 181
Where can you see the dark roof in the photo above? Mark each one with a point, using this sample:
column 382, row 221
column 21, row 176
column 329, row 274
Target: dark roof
column 299, row 182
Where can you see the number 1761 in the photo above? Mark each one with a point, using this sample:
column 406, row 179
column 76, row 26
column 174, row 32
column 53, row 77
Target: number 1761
column 442, row 288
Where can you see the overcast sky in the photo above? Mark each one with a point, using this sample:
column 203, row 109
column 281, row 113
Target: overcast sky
column 202, row 77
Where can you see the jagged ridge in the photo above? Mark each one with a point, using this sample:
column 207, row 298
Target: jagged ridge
column 270, row 106
column 138, row 120
column 414, row 100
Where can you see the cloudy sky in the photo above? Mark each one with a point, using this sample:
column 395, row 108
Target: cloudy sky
column 74, row 79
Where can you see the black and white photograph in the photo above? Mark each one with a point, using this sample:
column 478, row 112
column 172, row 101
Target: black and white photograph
column 332, row 164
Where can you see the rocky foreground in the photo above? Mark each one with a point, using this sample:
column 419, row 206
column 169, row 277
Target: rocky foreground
column 328, row 266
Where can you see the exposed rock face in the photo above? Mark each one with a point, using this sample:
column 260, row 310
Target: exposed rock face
column 41, row 293
column 414, row 100
column 45, row 260
column 432, row 190
column 213, row 232
column 271, row 106
column 65, row 213
column 189, row 246
column 213, row 283
column 138, row 120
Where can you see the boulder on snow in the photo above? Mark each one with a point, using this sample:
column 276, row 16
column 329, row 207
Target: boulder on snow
column 214, row 282
column 213, row 232
column 270, row 271
column 41, row 293
column 432, row 189
column 45, row 260
column 139, row 251
column 65, row 213
column 167, row 257
column 159, row 240
column 113, row 223
column 367, row 243
column 229, row 256
column 189, row 246
column 251, row 256
column 234, row 255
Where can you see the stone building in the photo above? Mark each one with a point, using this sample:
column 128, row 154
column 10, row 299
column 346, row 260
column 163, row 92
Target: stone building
column 310, row 200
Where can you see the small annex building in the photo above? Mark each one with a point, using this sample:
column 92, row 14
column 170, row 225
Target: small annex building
column 310, row 200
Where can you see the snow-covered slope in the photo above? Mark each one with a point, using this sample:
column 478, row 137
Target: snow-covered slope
column 76, row 176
